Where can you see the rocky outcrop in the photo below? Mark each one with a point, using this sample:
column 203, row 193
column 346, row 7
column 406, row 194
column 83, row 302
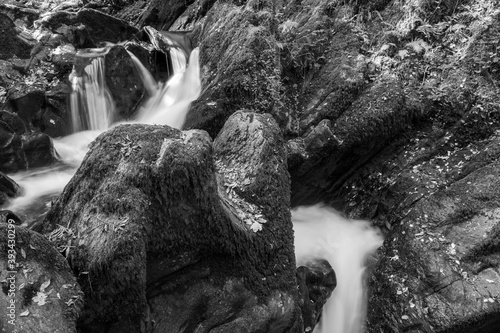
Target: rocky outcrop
column 199, row 231
column 124, row 82
column 8, row 188
column 87, row 27
column 40, row 293
column 12, row 41
column 316, row 282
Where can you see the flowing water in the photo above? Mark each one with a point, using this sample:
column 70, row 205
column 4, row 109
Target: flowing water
column 319, row 231
column 91, row 108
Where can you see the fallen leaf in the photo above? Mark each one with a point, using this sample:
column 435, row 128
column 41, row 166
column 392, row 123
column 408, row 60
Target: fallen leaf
column 24, row 313
column 44, row 285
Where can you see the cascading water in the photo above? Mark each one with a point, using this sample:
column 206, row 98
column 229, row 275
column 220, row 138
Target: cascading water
column 321, row 232
column 91, row 106
column 91, row 102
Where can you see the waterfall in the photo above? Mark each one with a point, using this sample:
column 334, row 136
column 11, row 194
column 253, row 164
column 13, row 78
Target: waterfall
column 168, row 105
column 321, row 232
column 91, row 107
column 90, row 100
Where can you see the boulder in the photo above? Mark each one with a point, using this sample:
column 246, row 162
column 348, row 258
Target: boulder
column 334, row 150
column 88, row 27
column 11, row 155
column 40, row 293
column 124, row 82
column 15, row 123
column 8, row 188
column 199, row 231
column 162, row 14
column 440, row 274
column 38, row 149
column 241, row 65
column 12, row 42
column 316, row 281
column 6, row 215
column 17, row 13
column 26, row 101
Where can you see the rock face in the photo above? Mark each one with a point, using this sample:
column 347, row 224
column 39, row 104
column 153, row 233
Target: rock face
column 88, row 27
column 197, row 232
column 46, row 295
column 124, row 82
column 11, row 41
column 8, row 188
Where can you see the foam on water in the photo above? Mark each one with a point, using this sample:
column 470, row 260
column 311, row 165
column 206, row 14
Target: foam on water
column 321, row 232
column 168, row 105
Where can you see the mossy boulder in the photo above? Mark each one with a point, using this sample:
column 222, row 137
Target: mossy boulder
column 38, row 282
column 200, row 231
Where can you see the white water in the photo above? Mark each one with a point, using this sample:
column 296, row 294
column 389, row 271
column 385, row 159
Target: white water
column 321, row 232
column 90, row 100
column 168, row 105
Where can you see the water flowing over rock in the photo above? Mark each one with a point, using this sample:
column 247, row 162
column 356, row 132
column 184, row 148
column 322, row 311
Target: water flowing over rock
column 199, row 232
column 46, row 296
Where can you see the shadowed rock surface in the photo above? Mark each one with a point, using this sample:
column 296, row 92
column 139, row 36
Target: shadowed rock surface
column 203, row 234
column 47, row 296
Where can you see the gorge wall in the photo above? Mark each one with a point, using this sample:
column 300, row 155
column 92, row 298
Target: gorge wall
column 389, row 111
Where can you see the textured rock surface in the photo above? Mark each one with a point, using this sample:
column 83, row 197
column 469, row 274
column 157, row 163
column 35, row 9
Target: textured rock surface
column 123, row 81
column 47, row 296
column 8, row 188
column 155, row 195
column 11, row 41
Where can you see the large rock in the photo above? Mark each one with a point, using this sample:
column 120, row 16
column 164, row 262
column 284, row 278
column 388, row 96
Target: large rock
column 40, row 293
column 124, row 82
column 201, row 233
column 88, row 27
column 38, row 149
column 8, row 188
column 11, row 155
column 334, row 150
column 12, row 42
column 26, row 101
column 241, row 65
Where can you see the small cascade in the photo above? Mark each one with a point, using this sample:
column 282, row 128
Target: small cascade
column 169, row 105
column 321, row 232
column 91, row 102
column 147, row 79
column 178, row 58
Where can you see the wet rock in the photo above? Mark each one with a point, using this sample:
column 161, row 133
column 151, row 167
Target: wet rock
column 124, row 82
column 11, row 155
column 316, row 283
column 441, row 273
column 88, row 27
column 26, row 15
column 51, row 123
column 241, row 66
column 8, row 188
column 199, row 231
column 12, row 42
column 161, row 15
column 63, row 55
column 335, row 149
column 6, row 215
column 26, row 101
column 15, row 122
column 38, row 149
column 7, row 73
column 39, row 281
